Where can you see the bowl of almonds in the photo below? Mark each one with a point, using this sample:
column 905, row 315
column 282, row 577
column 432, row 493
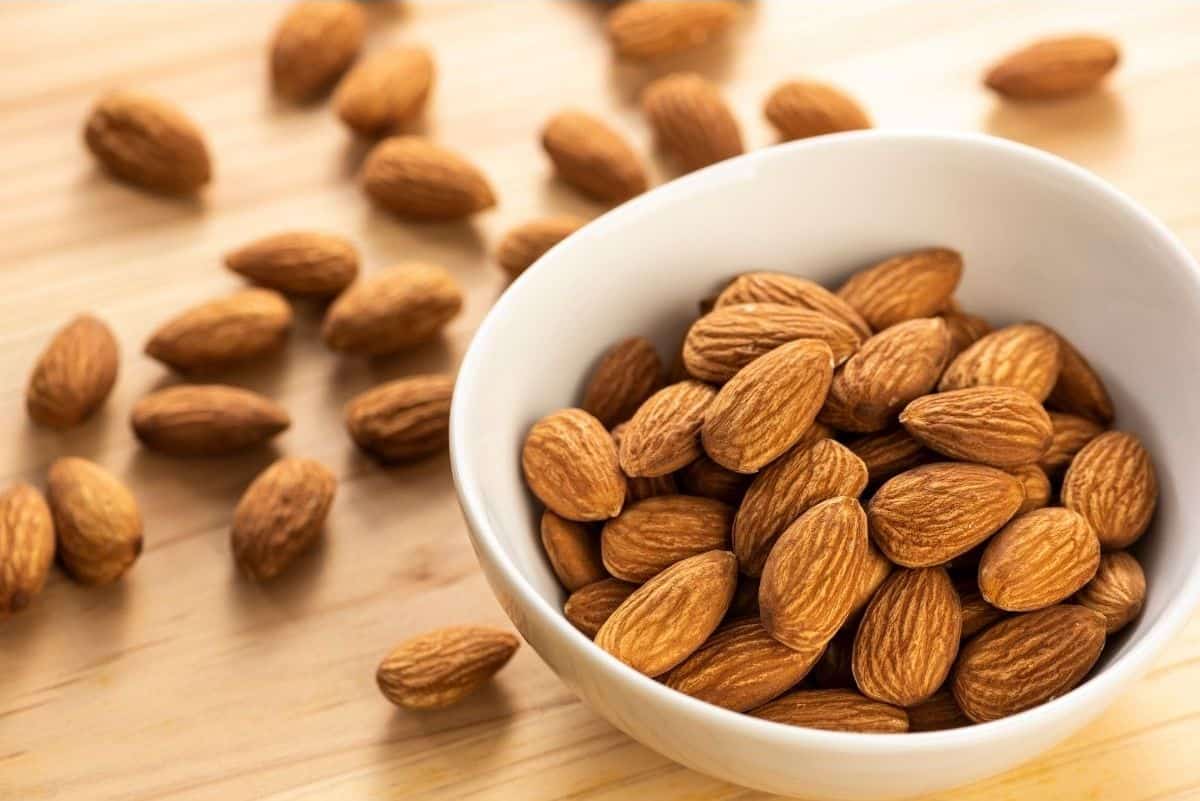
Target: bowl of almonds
column 850, row 468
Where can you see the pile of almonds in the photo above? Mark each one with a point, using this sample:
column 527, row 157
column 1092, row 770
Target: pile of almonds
column 859, row 510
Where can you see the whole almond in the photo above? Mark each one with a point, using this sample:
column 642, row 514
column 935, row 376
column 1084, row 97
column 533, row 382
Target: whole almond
column 663, row 435
column 1111, row 482
column 1079, row 389
column 573, row 550
column 627, row 374
column 1036, row 485
column 800, row 109
column 791, row 485
column 570, row 464
column 1117, row 591
column 441, row 667
column 1026, row 660
column 1071, row 433
column 643, row 30
column 977, row 614
column 206, row 420
column 1053, row 68
column 889, row 452
column 242, row 327
column 1038, row 559
column 651, row 535
column 874, row 572
column 588, row 607
column 74, row 374
column 1024, row 356
column 298, row 263
column 691, row 120
column 745, row 599
column 930, row 514
column 386, row 91
column 639, row 488
column 916, row 284
column 148, row 142
column 965, row 330
column 281, row 515
column 706, row 478
column 527, row 243
column 999, row 426
column 26, row 547
column 832, row 670
column 666, row 619
column 592, row 157
column 96, row 519
column 405, row 419
column 937, row 713
column 313, row 45
column 768, row 406
column 791, row 290
column 392, row 310
column 415, row 179
column 834, row 710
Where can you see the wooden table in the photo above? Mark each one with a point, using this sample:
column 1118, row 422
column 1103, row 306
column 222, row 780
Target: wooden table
column 183, row 681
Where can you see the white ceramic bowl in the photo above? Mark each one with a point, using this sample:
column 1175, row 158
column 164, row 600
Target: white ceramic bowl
column 1042, row 239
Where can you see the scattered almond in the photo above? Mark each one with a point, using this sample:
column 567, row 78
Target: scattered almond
column 570, row 463
column 691, row 120
column 298, row 263
column 1036, row 485
column 588, row 607
column 706, row 478
column 593, row 158
column 1117, row 591
column 834, row 710
column 1111, row 482
column 573, row 550
column 313, row 45
column 74, row 375
column 628, row 373
column 405, row 419
column 1023, row 356
column 639, row 488
column 415, row 179
column 281, row 515
column 392, row 310
column 26, row 547
column 1054, row 68
column 96, row 520
column 791, row 290
column 386, row 91
column 527, row 243
column 651, row 535
column 206, row 420
column 1038, row 559
column 998, row 426
column 242, row 327
column 440, row 668
column 643, row 29
column 1071, row 433
column 663, row 435
column 800, row 109
column 904, row 287
column 889, row 452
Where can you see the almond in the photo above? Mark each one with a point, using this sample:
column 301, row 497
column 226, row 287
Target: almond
column 977, row 614
column 1038, row 559
column 930, row 514
column 998, row 426
column 26, row 547
column 904, row 287
column 768, row 406
column 651, row 535
column 1111, row 482
column 745, row 599
column 889, row 452
column 663, row 435
column 298, row 263
column 1024, row 356
column 592, row 157
column 527, row 243
column 875, row 571
column 96, row 519
column 281, row 515
column 721, row 343
column 800, row 109
column 1079, row 389
column 570, row 464
column 386, row 91
column 810, row 581
column 791, row 290
column 1117, row 591
column 627, row 374
column 244, row 326
column 706, row 478
column 666, row 619
column 791, row 485
column 148, row 142
column 405, row 419
column 639, row 488
column 1053, row 68
column 832, row 670
column 392, row 310
column 415, row 179
column 965, row 330
column 588, row 607
column 206, row 420
column 834, row 710
column 643, row 30
column 937, row 713
column 74, row 374
column 313, row 45
column 1036, row 485
column 691, row 120
column 573, row 551
column 1027, row 660
column 441, row 667
column 1071, row 433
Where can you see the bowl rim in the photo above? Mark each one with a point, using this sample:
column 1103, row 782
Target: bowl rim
column 1090, row 694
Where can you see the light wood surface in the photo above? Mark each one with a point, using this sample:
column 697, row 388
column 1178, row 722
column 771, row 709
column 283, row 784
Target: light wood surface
column 184, row 681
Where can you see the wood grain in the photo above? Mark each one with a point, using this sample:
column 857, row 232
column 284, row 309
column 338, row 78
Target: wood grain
column 183, row 681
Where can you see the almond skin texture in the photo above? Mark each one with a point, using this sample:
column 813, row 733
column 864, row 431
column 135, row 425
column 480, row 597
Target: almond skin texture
column 663, row 435
column 724, row 341
column 800, row 109
column 834, row 710
column 417, row 180
column 627, row 374
column 440, row 668
column 1054, row 68
column 573, row 551
column 313, row 45
column 888, row 453
column 404, row 419
column 96, row 519
column 1117, row 591
column 791, row 485
column 1038, row 559
column 875, row 571
column 666, row 619
column 691, row 120
column 281, row 515
column 148, row 142
column 889, row 370
column 570, row 464
column 904, row 287
column 965, row 330
column 930, row 514
column 998, row 426
column 26, row 547
column 791, row 290
column 810, row 581
column 74, row 375
column 386, row 91
column 527, row 243
column 642, row 30
column 1036, row 485
column 768, row 406
column 592, row 157
column 977, row 614
column 242, row 327
column 1079, row 389
column 206, row 420
column 639, row 488
column 1111, row 482
column 1027, row 660
column 651, row 535
column 937, row 713
column 706, row 478
column 1071, row 433
column 1024, row 356
column 305, row 263
column 588, row 607
column 393, row 310
column 741, row 667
